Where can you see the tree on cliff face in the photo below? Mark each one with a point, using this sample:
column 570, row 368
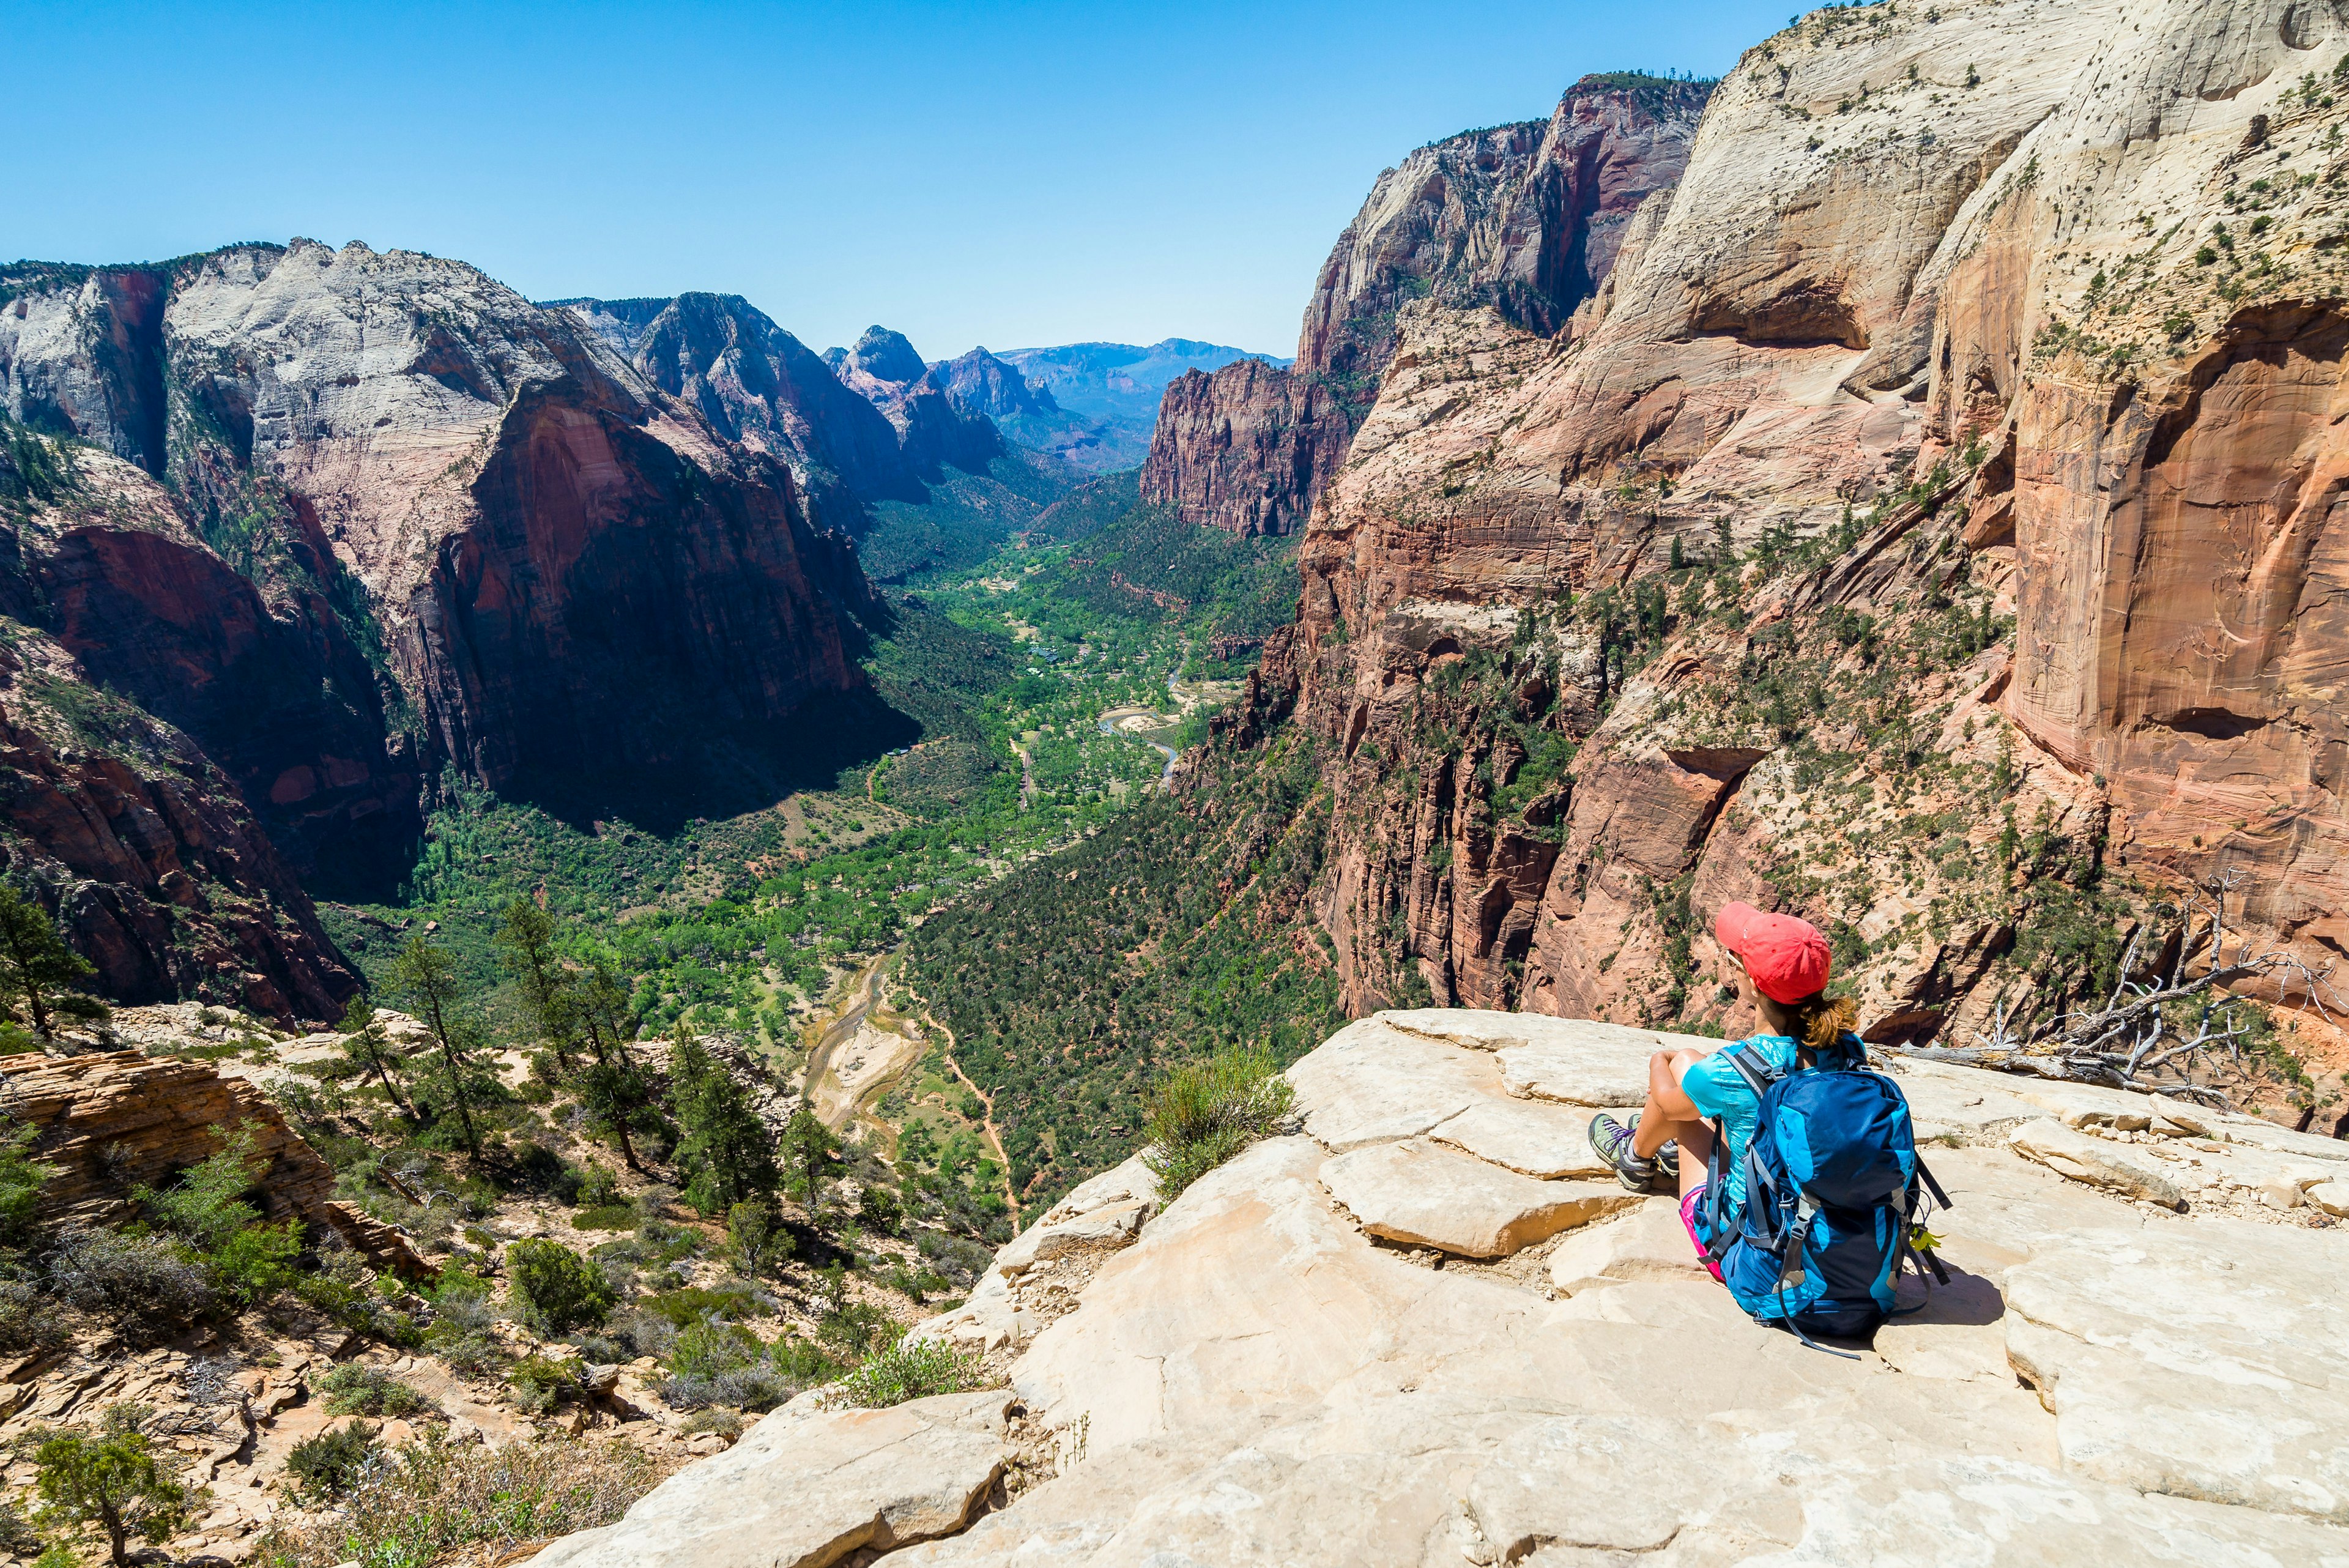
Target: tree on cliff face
column 38, row 968
column 427, row 976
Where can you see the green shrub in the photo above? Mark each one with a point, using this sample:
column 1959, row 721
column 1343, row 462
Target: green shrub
column 113, row 1479
column 330, row 1464
column 760, row 1244
column 606, row 1217
column 853, row 1327
column 207, row 1207
column 355, row 1389
column 1204, row 1113
column 255, row 1263
column 542, row 1382
column 909, row 1369
column 21, row 1177
column 878, row 1208
column 556, row 1288
column 598, row 1188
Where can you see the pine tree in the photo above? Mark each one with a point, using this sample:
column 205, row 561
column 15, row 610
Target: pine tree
column 427, row 976
column 726, row 1146
column 368, row 1048
column 526, row 947
column 613, row 1090
column 38, row 968
column 809, row 1148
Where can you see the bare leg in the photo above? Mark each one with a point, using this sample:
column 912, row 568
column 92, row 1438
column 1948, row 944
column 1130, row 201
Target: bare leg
column 1669, row 1114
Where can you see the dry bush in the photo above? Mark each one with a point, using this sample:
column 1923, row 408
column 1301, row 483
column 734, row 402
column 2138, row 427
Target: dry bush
column 432, row 1503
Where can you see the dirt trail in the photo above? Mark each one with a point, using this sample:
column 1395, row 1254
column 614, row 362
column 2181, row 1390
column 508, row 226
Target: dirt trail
column 987, row 1102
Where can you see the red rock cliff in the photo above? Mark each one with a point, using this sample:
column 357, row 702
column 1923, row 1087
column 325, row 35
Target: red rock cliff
column 1926, row 526
column 1525, row 218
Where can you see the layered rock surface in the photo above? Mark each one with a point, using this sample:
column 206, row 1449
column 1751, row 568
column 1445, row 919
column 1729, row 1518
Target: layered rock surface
column 2018, row 313
column 109, row 1122
column 1524, row 218
column 1258, row 1377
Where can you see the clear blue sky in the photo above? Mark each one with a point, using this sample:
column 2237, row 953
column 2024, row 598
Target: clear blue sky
column 1006, row 174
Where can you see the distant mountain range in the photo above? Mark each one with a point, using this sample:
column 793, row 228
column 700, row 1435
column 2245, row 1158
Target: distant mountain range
column 1117, row 387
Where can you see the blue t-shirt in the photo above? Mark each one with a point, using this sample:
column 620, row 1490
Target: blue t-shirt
column 1720, row 1091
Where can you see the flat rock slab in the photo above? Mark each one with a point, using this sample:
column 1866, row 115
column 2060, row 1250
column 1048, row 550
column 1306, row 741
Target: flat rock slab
column 1370, row 1084
column 2199, row 1360
column 1529, row 1137
column 1607, row 1073
column 805, row 1491
column 1416, row 1193
column 1650, row 1243
column 2116, row 1168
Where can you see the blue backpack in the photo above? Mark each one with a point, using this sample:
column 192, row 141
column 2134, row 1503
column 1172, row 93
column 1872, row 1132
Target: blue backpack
column 1836, row 1197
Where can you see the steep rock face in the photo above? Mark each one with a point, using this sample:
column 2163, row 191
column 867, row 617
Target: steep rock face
column 144, row 851
column 1245, row 448
column 931, row 429
column 1946, row 473
column 568, row 565
column 757, row 384
column 1527, row 219
column 262, row 670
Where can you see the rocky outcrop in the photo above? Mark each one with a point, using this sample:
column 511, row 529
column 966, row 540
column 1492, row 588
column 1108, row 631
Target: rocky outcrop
column 2021, row 314
column 1526, row 219
column 111, row 1122
column 806, row 1489
column 757, row 384
column 1260, row 1376
column 1246, row 449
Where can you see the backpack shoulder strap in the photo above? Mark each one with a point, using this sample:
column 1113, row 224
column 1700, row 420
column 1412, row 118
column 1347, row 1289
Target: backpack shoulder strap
column 1758, row 1073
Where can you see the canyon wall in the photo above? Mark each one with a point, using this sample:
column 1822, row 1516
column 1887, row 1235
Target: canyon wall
column 354, row 516
column 1524, row 218
column 1925, row 527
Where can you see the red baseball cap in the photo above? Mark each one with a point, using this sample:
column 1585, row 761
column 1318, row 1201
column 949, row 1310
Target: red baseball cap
column 1787, row 958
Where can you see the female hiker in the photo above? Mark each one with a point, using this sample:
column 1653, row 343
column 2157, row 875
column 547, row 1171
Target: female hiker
column 1783, row 964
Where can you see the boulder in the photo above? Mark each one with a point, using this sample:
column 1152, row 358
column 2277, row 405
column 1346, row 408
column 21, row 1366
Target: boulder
column 1416, row 1193
column 807, row 1490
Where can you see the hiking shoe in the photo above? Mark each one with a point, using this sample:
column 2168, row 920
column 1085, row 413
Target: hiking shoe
column 1611, row 1141
column 1668, row 1159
